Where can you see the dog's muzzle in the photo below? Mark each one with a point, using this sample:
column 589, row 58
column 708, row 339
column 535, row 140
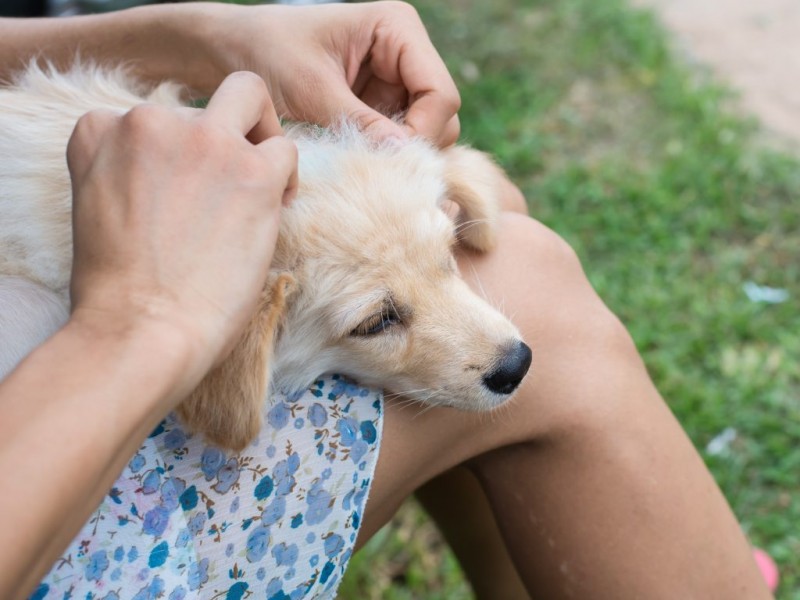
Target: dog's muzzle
column 510, row 371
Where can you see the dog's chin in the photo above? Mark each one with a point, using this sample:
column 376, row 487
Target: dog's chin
column 480, row 400
column 489, row 402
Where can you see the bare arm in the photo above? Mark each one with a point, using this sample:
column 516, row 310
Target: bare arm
column 356, row 56
column 72, row 414
column 158, row 42
column 155, row 233
column 319, row 62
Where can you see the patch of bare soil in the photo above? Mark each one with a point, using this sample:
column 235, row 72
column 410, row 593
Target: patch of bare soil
column 754, row 45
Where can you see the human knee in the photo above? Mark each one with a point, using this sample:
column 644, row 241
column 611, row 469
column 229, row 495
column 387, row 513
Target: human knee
column 525, row 247
column 512, row 198
column 536, row 277
column 581, row 351
column 557, row 286
column 585, row 379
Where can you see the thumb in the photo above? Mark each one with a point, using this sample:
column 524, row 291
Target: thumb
column 336, row 100
column 375, row 125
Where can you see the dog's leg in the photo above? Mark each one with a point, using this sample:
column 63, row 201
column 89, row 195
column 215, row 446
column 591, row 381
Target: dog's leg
column 226, row 407
column 29, row 314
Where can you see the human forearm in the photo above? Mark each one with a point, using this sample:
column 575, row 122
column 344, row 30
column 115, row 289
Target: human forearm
column 362, row 60
column 71, row 415
column 156, row 42
column 156, row 302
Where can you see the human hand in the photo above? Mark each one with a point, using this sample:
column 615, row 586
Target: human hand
column 364, row 61
column 176, row 214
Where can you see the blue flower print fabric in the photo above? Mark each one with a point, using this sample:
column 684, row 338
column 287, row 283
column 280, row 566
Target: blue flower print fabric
column 187, row 521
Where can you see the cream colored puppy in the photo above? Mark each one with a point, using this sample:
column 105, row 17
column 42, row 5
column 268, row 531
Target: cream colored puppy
column 363, row 279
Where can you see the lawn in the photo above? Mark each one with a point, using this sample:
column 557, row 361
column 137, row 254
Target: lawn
column 674, row 204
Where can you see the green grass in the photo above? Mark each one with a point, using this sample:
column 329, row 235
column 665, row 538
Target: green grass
column 673, row 203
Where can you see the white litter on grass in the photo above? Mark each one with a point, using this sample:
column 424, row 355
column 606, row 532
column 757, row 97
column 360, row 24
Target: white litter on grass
column 470, row 71
column 763, row 293
column 721, row 444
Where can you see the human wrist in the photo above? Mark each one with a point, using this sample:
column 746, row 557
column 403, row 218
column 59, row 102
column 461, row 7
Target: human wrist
column 176, row 42
column 241, row 38
column 199, row 57
column 212, row 42
column 169, row 355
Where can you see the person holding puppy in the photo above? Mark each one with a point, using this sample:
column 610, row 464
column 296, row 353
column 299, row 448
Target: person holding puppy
column 590, row 488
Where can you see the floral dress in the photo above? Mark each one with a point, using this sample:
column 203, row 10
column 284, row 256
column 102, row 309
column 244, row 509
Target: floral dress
column 186, row 521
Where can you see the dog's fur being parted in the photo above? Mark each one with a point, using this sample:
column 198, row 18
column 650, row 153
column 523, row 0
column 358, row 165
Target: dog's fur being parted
column 363, row 280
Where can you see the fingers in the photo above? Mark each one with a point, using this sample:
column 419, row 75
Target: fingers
column 387, row 98
column 380, row 98
column 364, row 62
column 390, row 99
column 334, row 99
column 403, row 55
column 450, row 133
column 281, row 155
column 377, row 126
column 433, row 98
column 242, row 103
column 88, row 132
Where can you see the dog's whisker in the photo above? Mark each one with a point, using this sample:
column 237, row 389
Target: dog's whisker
column 461, row 227
column 428, row 406
column 422, row 404
column 419, row 404
column 407, row 392
column 435, row 392
column 500, row 305
column 404, row 401
column 506, row 414
column 402, row 405
column 408, row 404
column 424, row 401
column 477, row 279
column 496, row 415
column 423, row 411
column 387, row 395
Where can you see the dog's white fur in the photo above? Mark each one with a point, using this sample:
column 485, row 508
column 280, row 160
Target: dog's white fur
column 366, row 236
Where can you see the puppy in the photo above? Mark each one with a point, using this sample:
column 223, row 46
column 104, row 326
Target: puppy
column 363, row 279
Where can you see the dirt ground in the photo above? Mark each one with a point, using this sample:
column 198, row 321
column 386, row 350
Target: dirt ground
column 753, row 44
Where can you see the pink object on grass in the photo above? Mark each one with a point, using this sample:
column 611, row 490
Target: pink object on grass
column 768, row 568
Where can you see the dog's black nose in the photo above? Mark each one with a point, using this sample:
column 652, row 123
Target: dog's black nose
column 512, row 368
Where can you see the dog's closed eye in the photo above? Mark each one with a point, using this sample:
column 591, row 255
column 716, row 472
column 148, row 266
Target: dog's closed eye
column 377, row 323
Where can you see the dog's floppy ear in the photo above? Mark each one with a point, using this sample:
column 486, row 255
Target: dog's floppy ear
column 226, row 407
column 473, row 183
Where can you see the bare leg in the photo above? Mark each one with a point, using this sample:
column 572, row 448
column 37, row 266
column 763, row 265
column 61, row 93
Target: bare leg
column 597, row 490
column 469, row 525
column 470, row 529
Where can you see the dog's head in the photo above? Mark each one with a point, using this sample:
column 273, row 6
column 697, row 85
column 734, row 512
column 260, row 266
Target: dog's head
column 365, row 284
column 378, row 295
